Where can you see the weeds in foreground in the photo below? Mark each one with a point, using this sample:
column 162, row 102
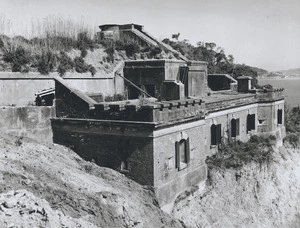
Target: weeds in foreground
column 235, row 154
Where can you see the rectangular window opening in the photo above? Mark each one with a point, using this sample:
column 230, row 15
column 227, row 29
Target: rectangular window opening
column 279, row 116
column 182, row 153
column 250, row 122
column 235, row 127
column 215, row 131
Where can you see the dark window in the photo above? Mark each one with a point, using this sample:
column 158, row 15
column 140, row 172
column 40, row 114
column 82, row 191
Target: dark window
column 235, row 127
column 182, row 155
column 150, row 89
column 133, row 92
column 279, row 116
column 250, row 122
column 215, row 131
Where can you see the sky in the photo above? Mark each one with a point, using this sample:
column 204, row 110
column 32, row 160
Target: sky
column 260, row 33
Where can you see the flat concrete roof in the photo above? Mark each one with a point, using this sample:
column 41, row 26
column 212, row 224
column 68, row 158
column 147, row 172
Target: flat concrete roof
column 217, row 97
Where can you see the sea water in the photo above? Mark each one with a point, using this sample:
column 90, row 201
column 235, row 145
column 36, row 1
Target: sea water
column 291, row 88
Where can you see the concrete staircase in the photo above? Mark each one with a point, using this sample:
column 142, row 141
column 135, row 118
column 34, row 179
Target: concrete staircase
column 146, row 37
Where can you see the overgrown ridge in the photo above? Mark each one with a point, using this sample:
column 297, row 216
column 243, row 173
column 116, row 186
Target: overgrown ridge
column 51, row 186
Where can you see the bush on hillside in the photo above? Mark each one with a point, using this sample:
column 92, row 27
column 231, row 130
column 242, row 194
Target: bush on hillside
column 130, row 46
column 84, row 42
column 1, row 43
column 235, row 154
column 110, row 47
column 46, row 62
column 92, row 70
column 18, row 58
column 292, row 125
column 65, row 64
column 82, row 67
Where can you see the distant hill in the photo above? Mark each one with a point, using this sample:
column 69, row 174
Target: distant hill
column 259, row 71
column 291, row 72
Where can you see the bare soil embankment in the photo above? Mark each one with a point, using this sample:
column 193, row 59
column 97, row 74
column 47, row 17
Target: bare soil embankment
column 51, row 186
column 253, row 196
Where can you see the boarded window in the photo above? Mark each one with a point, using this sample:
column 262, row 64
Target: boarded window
column 279, row 116
column 182, row 155
column 250, row 122
column 235, row 127
column 215, row 131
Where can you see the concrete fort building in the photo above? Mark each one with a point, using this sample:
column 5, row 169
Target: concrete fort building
column 171, row 122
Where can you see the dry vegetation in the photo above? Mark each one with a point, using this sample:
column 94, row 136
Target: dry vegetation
column 60, row 45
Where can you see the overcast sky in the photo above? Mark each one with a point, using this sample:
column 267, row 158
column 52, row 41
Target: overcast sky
column 261, row 33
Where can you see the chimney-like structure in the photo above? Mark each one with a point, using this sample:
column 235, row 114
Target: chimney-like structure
column 244, row 84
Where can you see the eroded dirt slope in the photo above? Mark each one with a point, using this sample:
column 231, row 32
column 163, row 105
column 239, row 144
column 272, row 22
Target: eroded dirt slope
column 254, row 196
column 51, row 186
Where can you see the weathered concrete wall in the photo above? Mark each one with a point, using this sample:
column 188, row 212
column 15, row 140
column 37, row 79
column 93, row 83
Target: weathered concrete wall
column 224, row 118
column 197, row 79
column 153, row 73
column 110, row 142
column 31, row 122
column 19, row 89
column 169, row 181
column 267, row 116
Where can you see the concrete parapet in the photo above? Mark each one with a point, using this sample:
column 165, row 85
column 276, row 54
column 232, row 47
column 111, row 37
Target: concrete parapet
column 213, row 106
column 158, row 112
column 270, row 94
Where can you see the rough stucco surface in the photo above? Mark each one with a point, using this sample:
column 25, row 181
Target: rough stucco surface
column 32, row 122
column 19, row 89
column 168, row 180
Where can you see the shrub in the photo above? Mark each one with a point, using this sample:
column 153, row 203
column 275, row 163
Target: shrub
column 1, row 43
column 84, row 42
column 154, row 51
column 235, row 154
column 65, row 64
column 292, row 138
column 16, row 67
column 92, row 70
column 83, row 53
column 109, row 49
column 80, row 65
column 18, row 59
column 9, row 57
column 130, row 46
column 46, row 62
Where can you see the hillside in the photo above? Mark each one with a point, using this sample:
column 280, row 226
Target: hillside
column 259, row 71
column 253, row 196
column 51, row 186
column 82, row 53
column 79, row 54
column 291, row 72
